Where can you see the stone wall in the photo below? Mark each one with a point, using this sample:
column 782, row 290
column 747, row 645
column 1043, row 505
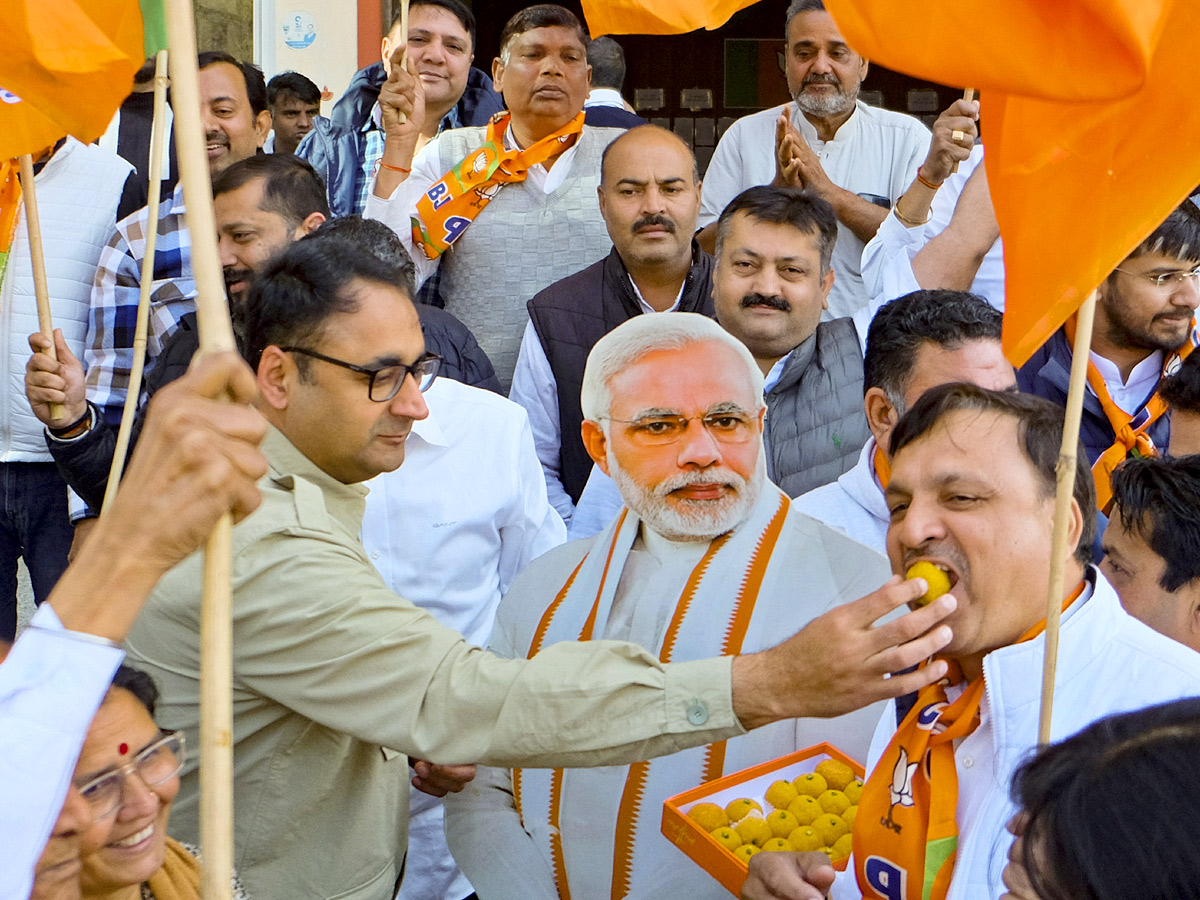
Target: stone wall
column 226, row 25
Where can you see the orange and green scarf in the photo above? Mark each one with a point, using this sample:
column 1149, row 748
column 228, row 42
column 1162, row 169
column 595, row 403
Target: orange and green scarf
column 446, row 210
column 1132, row 431
column 906, row 833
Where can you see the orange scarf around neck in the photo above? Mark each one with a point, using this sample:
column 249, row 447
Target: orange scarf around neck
column 906, row 831
column 446, row 210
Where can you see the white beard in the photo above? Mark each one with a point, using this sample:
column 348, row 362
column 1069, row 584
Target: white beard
column 691, row 520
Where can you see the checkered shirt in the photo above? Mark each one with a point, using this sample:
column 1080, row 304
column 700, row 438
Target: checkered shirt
column 108, row 353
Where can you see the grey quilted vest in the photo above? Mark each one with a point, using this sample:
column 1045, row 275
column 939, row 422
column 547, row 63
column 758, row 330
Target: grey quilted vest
column 815, row 420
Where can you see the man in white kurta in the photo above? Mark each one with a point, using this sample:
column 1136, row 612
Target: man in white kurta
column 858, row 157
column 707, row 557
column 915, row 343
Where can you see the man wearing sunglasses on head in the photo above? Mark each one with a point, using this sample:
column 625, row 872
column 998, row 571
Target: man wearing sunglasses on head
column 1145, row 324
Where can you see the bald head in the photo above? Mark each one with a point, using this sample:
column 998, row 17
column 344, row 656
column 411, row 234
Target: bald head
column 647, row 135
column 650, row 199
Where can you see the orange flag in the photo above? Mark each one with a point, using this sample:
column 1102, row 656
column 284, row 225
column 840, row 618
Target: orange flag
column 658, row 16
column 65, row 67
column 1092, row 138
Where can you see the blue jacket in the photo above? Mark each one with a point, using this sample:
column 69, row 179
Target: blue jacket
column 1048, row 374
column 335, row 147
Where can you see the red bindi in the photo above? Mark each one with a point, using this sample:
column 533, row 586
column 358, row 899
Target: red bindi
column 123, row 749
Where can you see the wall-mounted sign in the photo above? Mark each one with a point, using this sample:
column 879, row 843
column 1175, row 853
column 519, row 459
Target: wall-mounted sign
column 299, row 30
column 649, row 98
column 696, row 98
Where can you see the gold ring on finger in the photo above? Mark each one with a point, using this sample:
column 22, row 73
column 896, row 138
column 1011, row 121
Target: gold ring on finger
column 957, row 135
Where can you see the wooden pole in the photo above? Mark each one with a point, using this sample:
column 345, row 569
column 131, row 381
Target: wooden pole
column 968, row 95
column 404, row 32
column 1065, row 472
column 216, row 334
column 157, row 141
column 37, row 257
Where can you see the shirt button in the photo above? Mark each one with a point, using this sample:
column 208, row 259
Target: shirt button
column 968, row 761
column 697, row 713
column 374, row 554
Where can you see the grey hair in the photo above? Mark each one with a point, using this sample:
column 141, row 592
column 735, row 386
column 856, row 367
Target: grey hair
column 800, row 6
column 631, row 340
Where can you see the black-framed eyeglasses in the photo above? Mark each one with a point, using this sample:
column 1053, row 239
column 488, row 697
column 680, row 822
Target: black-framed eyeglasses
column 155, row 763
column 386, row 380
column 1165, row 279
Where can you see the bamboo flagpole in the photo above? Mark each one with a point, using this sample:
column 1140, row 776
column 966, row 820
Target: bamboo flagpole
column 1065, row 472
column 157, row 141
column 404, row 32
column 968, row 95
column 37, row 257
column 216, row 334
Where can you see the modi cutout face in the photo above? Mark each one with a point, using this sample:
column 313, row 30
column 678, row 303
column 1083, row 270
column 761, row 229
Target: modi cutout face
column 683, row 440
column 965, row 497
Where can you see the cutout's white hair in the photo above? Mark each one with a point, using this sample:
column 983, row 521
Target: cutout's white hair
column 631, row 340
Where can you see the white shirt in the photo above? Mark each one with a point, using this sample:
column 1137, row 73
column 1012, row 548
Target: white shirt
column 449, row 530
column 875, row 154
column 854, row 504
column 887, row 260
column 50, row 688
column 604, row 97
column 1143, row 379
column 535, row 388
column 396, row 210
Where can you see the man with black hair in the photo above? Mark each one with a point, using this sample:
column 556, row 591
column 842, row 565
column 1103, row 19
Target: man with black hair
column 295, row 103
column 1181, row 392
column 1152, row 544
column 346, row 148
column 916, row 342
column 1145, row 324
column 517, row 227
column 973, row 493
column 233, row 108
column 605, row 106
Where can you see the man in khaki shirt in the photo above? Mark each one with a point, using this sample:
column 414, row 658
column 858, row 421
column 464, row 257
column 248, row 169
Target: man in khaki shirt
column 337, row 679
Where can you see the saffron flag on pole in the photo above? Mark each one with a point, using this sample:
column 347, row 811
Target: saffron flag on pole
column 658, row 16
column 1091, row 136
column 66, row 65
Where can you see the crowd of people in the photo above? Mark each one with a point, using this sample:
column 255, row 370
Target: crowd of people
column 567, row 478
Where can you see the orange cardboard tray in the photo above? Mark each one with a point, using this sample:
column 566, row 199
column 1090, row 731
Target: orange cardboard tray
column 700, row 846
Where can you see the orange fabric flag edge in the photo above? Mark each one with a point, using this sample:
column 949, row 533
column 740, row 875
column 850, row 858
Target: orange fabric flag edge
column 658, row 16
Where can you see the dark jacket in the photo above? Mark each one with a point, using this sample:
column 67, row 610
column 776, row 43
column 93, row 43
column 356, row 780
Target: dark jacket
column 1047, row 374
column 611, row 117
column 815, row 420
column 84, row 464
column 335, row 147
column 572, row 314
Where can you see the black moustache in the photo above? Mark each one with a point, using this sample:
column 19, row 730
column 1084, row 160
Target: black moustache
column 234, row 276
column 662, row 221
column 772, row 301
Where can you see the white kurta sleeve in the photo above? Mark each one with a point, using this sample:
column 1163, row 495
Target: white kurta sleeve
column 50, row 688
column 535, row 388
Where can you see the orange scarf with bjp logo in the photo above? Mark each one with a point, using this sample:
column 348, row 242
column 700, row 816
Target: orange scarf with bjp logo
column 906, row 834
column 446, row 210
